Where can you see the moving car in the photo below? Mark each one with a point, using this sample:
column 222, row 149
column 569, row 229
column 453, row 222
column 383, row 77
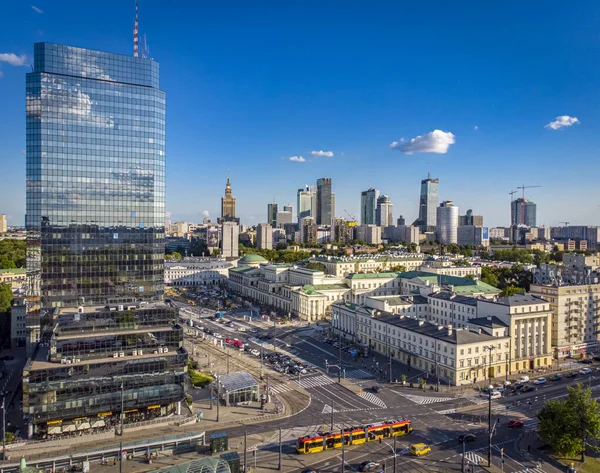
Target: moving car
column 255, row 352
column 541, row 380
column 555, row 377
column 587, row 361
column 516, row 424
column 585, row 371
column 523, row 379
column 495, row 395
column 573, row 374
column 527, row 389
column 369, row 466
column 419, row 449
column 466, row 438
column 241, row 329
column 376, row 389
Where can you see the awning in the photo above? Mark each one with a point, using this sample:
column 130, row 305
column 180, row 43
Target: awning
column 69, row 428
column 84, row 426
column 98, row 424
column 54, row 429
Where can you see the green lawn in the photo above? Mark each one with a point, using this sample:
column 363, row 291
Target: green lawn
column 591, row 465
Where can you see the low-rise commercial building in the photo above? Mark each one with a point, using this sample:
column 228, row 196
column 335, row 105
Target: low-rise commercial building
column 13, row 277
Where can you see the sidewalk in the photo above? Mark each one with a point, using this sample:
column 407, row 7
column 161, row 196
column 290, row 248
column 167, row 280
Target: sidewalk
column 528, row 444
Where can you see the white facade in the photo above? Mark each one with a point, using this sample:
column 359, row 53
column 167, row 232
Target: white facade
column 341, row 267
column 194, row 272
column 230, row 240
column 3, row 224
column 384, row 212
column 264, row 236
column 370, row 234
column 447, row 223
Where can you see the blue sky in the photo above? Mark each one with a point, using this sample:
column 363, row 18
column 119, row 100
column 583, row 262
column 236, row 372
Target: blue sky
column 250, row 84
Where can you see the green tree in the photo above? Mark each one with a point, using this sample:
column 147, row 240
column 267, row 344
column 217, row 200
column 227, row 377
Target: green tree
column 216, row 252
column 573, row 425
column 399, row 268
column 6, row 263
column 173, row 256
column 317, row 267
column 6, row 297
column 12, row 254
column 489, row 276
column 511, row 291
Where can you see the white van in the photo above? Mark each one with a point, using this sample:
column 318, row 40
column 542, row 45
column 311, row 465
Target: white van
column 524, row 379
column 496, row 395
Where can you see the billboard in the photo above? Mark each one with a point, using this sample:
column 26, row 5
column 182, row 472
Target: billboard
column 485, row 233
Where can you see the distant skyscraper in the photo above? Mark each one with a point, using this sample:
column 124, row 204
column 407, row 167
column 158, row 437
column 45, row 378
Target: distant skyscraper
column 227, row 202
column 401, row 220
column 324, row 201
column 368, row 206
column 523, row 212
column 230, row 240
column 309, row 231
column 3, row 224
column 470, row 219
column 384, row 213
column 304, row 203
column 427, row 204
column 95, row 238
column 283, row 217
column 264, row 236
column 447, row 223
column 288, row 208
column 272, row 214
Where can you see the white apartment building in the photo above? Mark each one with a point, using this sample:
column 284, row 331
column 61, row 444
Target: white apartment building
column 194, row 272
column 264, row 236
column 460, row 356
column 575, row 317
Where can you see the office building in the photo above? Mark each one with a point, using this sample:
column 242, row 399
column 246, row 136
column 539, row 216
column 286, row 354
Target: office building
column 341, row 231
column 325, row 203
column 304, row 203
column 447, row 223
column 523, row 212
column 368, row 206
column 272, row 210
column 230, row 240
column 95, row 210
column 370, row 234
column 384, row 212
column 428, row 202
column 401, row 220
column 228, row 203
column 579, row 233
column 283, row 217
column 473, row 235
column 3, row 224
column 470, row 219
column 264, row 236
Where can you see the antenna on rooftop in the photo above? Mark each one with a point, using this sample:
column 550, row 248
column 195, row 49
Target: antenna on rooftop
column 135, row 33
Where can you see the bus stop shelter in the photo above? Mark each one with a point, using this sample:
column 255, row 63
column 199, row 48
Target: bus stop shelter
column 238, row 387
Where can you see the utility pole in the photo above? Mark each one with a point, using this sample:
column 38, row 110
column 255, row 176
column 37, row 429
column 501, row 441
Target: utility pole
column 462, row 466
column 332, row 415
column 394, row 453
column 279, row 467
column 218, row 397
column 339, row 353
column 390, row 349
column 245, row 450
column 274, row 333
column 227, row 360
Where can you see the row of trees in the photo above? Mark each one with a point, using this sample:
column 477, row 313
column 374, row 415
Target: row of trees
column 571, row 426
column 12, row 254
column 517, row 278
column 277, row 256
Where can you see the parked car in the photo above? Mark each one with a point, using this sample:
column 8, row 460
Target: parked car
column 523, row 379
column 495, row 395
column 555, row 377
column 241, row 329
column 572, row 374
column 255, row 352
column 516, row 424
column 466, row 438
column 541, row 380
column 369, row 466
column 585, row 371
column 254, row 330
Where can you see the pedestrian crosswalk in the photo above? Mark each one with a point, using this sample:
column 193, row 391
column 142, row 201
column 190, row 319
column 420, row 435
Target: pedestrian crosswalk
column 358, row 375
column 280, row 388
column 447, row 411
column 373, row 399
column 473, row 458
column 530, row 470
column 423, row 399
column 314, row 381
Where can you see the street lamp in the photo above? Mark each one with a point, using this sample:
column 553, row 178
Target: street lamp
column 489, row 348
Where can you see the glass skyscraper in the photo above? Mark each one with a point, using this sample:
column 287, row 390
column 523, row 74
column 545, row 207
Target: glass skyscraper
column 325, row 207
column 95, row 222
column 428, row 203
column 523, row 212
column 368, row 206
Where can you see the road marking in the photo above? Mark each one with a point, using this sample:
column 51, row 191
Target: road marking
column 447, row 411
column 473, row 458
column 358, row 375
column 423, row 399
column 373, row 399
column 280, row 388
column 314, row 381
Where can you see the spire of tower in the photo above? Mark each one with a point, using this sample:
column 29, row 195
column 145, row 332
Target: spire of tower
column 135, row 32
column 228, row 176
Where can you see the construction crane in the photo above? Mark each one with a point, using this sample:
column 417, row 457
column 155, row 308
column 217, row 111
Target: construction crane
column 351, row 217
column 511, row 193
column 523, row 187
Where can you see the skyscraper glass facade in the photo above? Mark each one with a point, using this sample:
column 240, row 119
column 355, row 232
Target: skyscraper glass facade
column 324, row 201
column 428, row 202
column 523, row 212
column 368, row 206
column 95, row 246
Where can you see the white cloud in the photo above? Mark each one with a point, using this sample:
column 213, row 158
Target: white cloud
column 297, row 159
column 475, row 128
column 437, row 141
column 562, row 121
column 37, row 10
column 13, row 59
column 206, row 213
column 322, row 154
